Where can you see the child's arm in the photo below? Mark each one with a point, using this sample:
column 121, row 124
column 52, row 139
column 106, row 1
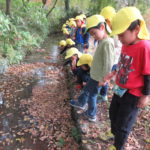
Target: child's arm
column 145, row 99
column 86, row 38
column 107, row 78
column 107, row 61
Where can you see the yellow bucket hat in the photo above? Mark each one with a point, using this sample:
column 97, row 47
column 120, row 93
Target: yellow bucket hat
column 65, row 31
column 72, row 23
column 83, row 16
column 79, row 18
column 94, row 21
column 71, row 19
column 108, row 13
column 62, row 43
column 64, row 25
column 67, row 22
column 85, row 59
column 70, row 42
column 72, row 51
column 123, row 19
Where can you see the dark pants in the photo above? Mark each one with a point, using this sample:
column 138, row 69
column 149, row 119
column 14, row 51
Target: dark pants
column 82, row 76
column 123, row 112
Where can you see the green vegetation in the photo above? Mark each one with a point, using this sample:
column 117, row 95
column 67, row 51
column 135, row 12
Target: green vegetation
column 28, row 26
column 22, row 32
column 76, row 134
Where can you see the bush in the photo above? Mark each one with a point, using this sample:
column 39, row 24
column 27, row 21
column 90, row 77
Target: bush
column 23, row 31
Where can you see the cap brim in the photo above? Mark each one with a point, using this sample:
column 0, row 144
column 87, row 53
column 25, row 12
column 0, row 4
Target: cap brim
column 78, row 63
column 66, row 57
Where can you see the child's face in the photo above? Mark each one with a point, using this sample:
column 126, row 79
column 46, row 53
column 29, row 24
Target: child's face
column 84, row 20
column 84, row 68
column 61, row 47
column 79, row 23
column 97, row 34
column 129, row 37
column 74, row 57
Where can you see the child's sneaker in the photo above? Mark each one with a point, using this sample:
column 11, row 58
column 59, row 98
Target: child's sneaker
column 76, row 104
column 104, row 98
column 112, row 147
column 101, row 98
column 91, row 119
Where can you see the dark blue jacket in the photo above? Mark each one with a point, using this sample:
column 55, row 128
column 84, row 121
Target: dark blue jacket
column 82, row 76
column 80, row 37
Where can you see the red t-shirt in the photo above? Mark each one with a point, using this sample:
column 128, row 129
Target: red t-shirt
column 134, row 63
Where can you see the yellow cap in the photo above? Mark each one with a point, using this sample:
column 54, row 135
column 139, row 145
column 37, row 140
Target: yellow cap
column 83, row 16
column 72, row 51
column 108, row 13
column 65, row 31
column 123, row 19
column 67, row 21
column 72, row 24
column 64, row 25
column 71, row 19
column 79, row 18
column 62, row 43
column 94, row 20
column 85, row 59
column 70, row 42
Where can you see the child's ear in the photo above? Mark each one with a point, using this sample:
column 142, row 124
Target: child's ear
column 102, row 27
column 137, row 29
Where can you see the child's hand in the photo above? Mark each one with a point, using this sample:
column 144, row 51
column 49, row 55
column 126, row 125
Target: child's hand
column 143, row 101
column 84, row 83
column 108, row 77
column 101, row 83
column 74, row 63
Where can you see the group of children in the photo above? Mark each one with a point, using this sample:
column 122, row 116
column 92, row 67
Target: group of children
column 93, row 73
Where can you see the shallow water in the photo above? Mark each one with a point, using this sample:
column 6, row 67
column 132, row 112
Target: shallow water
column 11, row 119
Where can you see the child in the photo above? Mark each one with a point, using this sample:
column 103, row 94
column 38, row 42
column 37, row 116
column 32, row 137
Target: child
column 102, row 63
column 69, row 43
column 83, row 73
column 84, row 18
column 73, row 26
column 108, row 13
column 66, row 32
column 73, row 56
column 133, row 75
column 62, row 45
column 81, row 39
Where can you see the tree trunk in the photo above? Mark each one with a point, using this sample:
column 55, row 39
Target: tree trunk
column 44, row 2
column 51, row 8
column 8, row 3
column 67, row 6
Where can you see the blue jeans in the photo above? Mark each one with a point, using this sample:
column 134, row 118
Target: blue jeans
column 104, row 90
column 89, row 95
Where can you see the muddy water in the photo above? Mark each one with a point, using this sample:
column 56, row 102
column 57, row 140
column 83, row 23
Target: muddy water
column 50, row 45
column 11, row 119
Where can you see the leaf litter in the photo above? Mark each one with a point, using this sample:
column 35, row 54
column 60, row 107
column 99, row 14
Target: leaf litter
column 45, row 113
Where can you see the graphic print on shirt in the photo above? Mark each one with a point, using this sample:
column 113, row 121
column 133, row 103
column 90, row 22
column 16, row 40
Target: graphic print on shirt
column 124, row 68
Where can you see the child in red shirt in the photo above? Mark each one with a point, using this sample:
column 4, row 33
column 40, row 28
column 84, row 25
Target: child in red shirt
column 133, row 75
